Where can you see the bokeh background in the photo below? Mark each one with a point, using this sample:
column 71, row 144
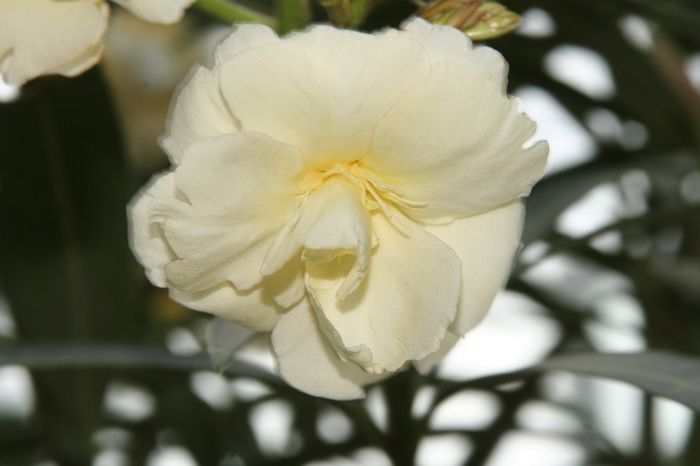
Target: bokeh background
column 610, row 263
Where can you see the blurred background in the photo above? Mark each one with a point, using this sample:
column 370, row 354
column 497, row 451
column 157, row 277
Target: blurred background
column 610, row 263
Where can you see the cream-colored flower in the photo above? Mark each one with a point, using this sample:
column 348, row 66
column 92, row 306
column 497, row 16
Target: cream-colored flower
column 39, row 37
column 358, row 195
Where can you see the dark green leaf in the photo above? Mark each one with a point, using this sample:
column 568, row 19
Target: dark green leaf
column 66, row 265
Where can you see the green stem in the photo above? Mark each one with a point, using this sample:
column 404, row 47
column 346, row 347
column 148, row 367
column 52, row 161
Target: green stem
column 293, row 14
column 402, row 440
column 232, row 12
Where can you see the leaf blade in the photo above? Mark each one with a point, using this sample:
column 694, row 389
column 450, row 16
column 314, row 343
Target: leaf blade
column 665, row 374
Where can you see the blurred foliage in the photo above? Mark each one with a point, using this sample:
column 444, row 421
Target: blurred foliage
column 69, row 278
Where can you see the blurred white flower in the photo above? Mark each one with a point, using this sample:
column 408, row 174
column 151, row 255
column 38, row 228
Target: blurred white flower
column 39, row 37
column 358, row 195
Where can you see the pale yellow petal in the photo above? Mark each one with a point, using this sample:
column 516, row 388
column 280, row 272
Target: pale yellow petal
column 441, row 42
column 252, row 308
column 145, row 236
column 237, row 191
column 403, row 307
column 208, row 254
column 486, row 244
column 40, row 37
column 307, row 361
column 456, row 144
column 425, row 365
column 197, row 112
column 243, row 37
column 448, row 43
column 332, row 221
column 286, row 286
column 323, row 90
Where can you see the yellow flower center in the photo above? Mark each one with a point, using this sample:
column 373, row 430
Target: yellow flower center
column 376, row 193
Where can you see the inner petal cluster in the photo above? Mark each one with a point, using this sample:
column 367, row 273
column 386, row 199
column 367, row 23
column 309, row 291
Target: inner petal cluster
column 377, row 194
column 333, row 219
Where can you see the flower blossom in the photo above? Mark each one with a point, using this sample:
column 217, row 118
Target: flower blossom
column 40, row 37
column 357, row 195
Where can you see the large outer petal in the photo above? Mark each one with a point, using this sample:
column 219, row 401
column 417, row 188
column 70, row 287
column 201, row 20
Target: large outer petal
column 157, row 11
column 486, row 244
column 403, row 307
column 323, row 90
column 251, row 308
column 308, row 362
column 39, row 37
column 237, row 190
column 455, row 142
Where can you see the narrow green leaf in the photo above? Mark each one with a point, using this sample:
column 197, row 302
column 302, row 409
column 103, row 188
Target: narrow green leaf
column 110, row 356
column 664, row 374
column 554, row 194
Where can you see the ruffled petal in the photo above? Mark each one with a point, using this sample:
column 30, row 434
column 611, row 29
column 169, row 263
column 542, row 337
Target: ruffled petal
column 448, row 43
column 307, row 361
column 146, row 237
column 243, row 37
column 403, row 307
column 39, row 37
column 157, row 11
column 198, row 112
column 455, row 143
column 486, row 244
column 336, row 86
column 332, row 222
column 252, row 308
column 237, row 191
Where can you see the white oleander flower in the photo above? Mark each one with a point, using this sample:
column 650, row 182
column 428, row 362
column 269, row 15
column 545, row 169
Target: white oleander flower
column 40, row 37
column 358, row 195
